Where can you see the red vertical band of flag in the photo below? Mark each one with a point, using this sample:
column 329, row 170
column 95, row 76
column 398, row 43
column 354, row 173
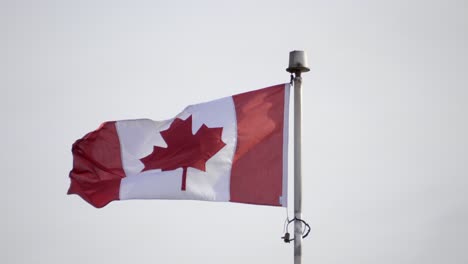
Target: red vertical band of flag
column 97, row 166
column 257, row 169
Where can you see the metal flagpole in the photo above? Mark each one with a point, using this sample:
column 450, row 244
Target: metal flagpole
column 297, row 65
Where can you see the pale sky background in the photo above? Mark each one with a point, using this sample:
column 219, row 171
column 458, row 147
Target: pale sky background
column 385, row 126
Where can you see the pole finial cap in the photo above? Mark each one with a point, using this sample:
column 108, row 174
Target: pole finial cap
column 298, row 62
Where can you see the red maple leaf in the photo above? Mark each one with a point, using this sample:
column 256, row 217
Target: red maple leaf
column 185, row 149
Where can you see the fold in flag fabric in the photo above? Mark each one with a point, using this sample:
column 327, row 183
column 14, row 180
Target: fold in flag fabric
column 232, row 149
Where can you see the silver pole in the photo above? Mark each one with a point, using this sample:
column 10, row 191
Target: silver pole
column 297, row 65
column 297, row 168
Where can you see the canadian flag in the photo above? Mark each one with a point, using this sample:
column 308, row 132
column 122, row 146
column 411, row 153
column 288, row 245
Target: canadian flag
column 232, row 149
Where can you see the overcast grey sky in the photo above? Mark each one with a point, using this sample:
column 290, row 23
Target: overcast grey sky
column 385, row 126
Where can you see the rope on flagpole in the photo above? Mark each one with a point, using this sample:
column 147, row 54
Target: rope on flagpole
column 305, row 232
